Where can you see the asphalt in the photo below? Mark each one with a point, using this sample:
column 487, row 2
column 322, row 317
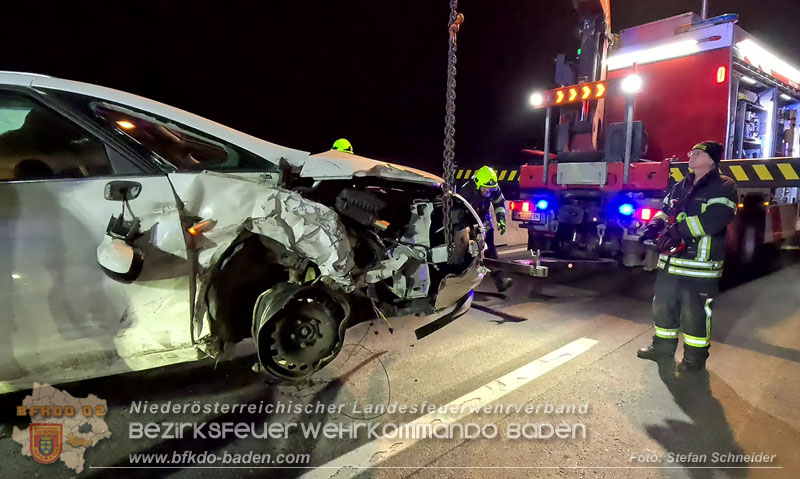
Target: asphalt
column 640, row 415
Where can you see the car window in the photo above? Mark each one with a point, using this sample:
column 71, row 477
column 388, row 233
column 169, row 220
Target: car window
column 37, row 143
column 183, row 147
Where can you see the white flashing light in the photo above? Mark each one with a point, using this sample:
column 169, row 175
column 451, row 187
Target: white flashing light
column 763, row 59
column 537, row 99
column 654, row 54
column 632, row 84
column 766, row 149
column 748, row 80
column 786, row 97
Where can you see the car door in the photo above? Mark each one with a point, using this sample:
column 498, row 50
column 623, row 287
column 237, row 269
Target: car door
column 62, row 316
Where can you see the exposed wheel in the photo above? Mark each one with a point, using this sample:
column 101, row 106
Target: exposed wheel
column 298, row 330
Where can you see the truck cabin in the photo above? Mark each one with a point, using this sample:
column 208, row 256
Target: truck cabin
column 707, row 79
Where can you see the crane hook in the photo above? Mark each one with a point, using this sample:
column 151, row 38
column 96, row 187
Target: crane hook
column 455, row 26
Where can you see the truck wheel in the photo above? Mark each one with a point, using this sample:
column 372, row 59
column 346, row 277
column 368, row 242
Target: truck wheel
column 748, row 244
column 537, row 242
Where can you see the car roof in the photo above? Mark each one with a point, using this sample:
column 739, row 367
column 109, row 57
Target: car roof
column 265, row 149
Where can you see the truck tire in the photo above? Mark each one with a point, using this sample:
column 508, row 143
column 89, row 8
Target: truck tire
column 537, row 241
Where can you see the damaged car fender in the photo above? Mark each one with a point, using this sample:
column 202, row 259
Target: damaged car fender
column 236, row 204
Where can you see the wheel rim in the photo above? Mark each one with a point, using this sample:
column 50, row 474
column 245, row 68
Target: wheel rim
column 300, row 337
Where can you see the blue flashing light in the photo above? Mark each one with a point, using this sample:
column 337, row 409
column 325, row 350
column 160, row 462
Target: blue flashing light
column 542, row 205
column 626, row 209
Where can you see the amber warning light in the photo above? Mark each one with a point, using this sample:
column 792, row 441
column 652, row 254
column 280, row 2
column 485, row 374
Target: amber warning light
column 201, row 227
column 571, row 94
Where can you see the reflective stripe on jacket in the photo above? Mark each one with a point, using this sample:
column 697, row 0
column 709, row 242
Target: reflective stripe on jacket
column 709, row 206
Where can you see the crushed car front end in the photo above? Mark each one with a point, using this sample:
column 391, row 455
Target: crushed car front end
column 293, row 265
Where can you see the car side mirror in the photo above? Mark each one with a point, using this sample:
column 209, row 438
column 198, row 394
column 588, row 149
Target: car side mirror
column 119, row 260
column 121, row 190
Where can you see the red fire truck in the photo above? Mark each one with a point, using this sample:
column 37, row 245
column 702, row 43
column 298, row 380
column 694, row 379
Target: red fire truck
column 632, row 106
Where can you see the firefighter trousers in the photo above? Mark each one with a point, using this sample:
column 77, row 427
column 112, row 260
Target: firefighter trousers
column 684, row 304
column 491, row 252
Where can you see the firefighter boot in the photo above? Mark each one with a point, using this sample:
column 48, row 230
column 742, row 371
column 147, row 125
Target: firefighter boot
column 694, row 359
column 689, row 365
column 502, row 283
column 659, row 350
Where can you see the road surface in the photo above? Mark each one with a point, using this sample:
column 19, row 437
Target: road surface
column 559, row 356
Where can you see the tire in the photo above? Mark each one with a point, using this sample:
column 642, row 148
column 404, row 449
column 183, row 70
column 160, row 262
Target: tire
column 538, row 242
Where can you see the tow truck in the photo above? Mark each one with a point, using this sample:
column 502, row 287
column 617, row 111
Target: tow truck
column 629, row 108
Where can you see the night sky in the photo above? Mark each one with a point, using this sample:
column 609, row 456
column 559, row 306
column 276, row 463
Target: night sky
column 303, row 73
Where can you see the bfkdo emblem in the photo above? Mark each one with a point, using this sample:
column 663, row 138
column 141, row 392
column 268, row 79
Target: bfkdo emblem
column 46, row 442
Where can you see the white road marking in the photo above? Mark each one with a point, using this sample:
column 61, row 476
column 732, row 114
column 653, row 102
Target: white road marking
column 374, row 452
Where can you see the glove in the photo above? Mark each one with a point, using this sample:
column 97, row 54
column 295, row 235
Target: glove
column 670, row 241
column 652, row 230
column 501, row 225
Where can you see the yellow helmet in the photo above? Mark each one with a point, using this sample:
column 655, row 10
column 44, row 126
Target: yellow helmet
column 343, row 145
column 485, row 177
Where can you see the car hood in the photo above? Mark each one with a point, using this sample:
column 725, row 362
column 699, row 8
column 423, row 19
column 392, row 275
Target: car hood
column 338, row 165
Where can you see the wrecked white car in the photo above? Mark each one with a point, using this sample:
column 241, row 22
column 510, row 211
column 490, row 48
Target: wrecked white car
column 135, row 235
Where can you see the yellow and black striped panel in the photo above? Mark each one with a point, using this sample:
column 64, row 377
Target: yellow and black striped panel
column 761, row 173
column 502, row 175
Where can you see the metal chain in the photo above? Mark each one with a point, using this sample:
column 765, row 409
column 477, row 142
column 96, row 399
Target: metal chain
column 449, row 164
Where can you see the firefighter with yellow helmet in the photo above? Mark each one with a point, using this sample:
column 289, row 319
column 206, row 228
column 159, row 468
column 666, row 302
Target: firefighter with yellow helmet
column 342, row 145
column 483, row 193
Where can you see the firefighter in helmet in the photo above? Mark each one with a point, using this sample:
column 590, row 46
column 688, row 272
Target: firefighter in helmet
column 690, row 234
column 483, row 192
column 342, row 145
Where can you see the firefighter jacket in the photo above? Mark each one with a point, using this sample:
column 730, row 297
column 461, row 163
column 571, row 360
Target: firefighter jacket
column 482, row 204
column 703, row 211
